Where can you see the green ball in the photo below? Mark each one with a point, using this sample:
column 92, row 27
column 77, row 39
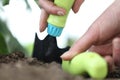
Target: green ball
column 87, row 62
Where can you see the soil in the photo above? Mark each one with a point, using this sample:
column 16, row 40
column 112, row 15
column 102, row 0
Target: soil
column 18, row 67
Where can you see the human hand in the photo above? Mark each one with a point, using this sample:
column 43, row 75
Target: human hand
column 48, row 7
column 103, row 37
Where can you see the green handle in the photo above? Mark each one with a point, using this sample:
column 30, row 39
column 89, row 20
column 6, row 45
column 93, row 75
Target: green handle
column 61, row 20
column 87, row 62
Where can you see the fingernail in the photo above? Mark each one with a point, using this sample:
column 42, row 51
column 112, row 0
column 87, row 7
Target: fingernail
column 60, row 13
column 64, row 55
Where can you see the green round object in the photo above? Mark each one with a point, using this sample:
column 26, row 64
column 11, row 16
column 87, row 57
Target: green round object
column 87, row 62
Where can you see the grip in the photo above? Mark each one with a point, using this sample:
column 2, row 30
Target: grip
column 56, row 23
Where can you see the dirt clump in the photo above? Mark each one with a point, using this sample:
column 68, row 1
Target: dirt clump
column 18, row 67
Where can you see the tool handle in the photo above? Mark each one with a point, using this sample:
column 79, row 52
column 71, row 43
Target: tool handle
column 56, row 23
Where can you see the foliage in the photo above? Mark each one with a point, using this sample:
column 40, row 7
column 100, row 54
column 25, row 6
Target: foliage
column 29, row 48
column 3, row 45
column 8, row 43
column 5, row 2
column 36, row 1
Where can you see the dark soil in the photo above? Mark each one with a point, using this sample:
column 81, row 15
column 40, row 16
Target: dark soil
column 17, row 67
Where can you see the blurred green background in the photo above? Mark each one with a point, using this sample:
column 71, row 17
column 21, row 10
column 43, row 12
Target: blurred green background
column 9, row 37
column 19, row 20
column 8, row 43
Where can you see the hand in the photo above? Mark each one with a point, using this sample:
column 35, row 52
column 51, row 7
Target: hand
column 48, row 7
column 103, row 37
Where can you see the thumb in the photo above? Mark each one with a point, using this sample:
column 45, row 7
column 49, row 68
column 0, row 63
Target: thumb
column 77, row 5
column 43, row 20
column 84, row 43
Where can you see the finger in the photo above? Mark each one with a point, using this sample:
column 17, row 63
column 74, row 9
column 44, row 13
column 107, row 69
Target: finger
column 77, row 5
column 96, row 34
column 116, row 51
column 51, row 8
column 105, row 49
column 84, row 43
column 110, row 63
column 43, row 20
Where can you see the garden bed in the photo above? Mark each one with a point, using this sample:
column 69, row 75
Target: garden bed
column 17, row 67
